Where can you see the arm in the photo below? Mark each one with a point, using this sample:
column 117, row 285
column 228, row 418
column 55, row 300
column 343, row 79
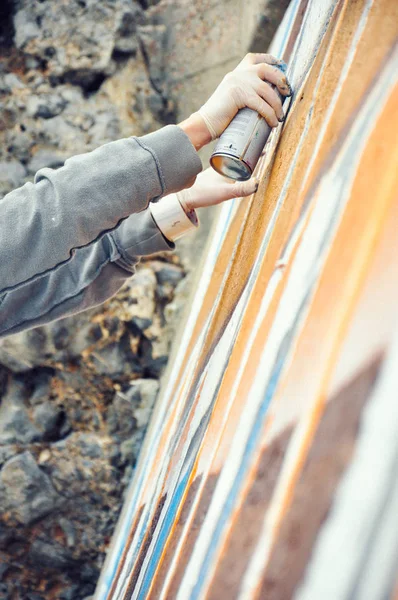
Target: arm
column 43, row 224
column 67, row 241
column 94, row 274
column 97, row 271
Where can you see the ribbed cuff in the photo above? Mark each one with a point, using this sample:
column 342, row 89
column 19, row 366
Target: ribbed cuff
column 172, row 219
column 176, row 158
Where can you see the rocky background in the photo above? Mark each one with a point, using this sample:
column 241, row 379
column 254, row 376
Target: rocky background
column 76, row 396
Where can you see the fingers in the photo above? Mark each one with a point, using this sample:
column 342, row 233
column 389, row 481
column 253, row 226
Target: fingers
column 237, row 189
column 254, row 58
column 245, row 188
column 275, row 76
column 211, row 188
column 272, row 98
column 263, row 108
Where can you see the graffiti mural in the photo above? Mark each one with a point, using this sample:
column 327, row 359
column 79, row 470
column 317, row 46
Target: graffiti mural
column 269, row 470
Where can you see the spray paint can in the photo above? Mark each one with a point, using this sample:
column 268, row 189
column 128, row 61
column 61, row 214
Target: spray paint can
column 240, row 146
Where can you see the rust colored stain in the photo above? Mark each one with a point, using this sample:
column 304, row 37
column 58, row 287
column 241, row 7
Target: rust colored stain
column 293, row 316
column 328, row 457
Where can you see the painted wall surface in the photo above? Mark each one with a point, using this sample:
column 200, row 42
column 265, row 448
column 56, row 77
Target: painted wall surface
column 270, row 467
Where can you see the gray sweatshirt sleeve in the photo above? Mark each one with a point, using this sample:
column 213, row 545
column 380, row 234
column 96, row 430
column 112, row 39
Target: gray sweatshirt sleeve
column 94, row 274
column 68, row 242
column 42, row 224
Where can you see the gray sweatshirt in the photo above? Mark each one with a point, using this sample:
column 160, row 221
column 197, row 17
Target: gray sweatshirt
column 70, row 240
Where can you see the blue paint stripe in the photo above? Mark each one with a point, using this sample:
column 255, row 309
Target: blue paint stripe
column 229, row 505
column 163, row 535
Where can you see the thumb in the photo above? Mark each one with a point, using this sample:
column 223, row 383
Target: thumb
column 244, row 188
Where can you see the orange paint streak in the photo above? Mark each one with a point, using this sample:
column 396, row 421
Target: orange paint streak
column 361, row 229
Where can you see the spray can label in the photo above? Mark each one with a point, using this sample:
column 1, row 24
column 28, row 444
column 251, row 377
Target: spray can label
column 244, row 138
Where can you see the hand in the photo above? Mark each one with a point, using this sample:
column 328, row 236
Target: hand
column 248, row 86
column 210, row 188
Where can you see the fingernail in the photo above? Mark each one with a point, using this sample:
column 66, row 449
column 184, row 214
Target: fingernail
column 281, row 119
column 285, row 86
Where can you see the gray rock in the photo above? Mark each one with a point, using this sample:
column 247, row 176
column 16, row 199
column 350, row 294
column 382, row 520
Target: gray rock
column 4, row 88
column 16, row 426
column 41, row 388
column 139, row 325
column 70, row 593
column 50, row 555
column 171, row 274
column 23, row 351
column 48, row 30
column 4, row 377
column 89, row 445
column 15, row 423
column 130, row 448
column 141, row 291
column 61, row 340
column 121, row 419
column 59, row 132
column 12, row 172
column 26, row 28
column 18, row 145
column 13, row 82
column 153, row 39
column 112, row 360
column 155, row 103
column 130, row 411
column 7, row 452
column 5, row 591
column 128, row 473
column 32, row 63
column 131, row 14
column 106, row 127
column 8, row 117
column 69, row 530
column 165, row 292
column 46, row 158
column 154, row 367
column 49, row 420
column 148, row 390
column 25, row 491
column 45, row 106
